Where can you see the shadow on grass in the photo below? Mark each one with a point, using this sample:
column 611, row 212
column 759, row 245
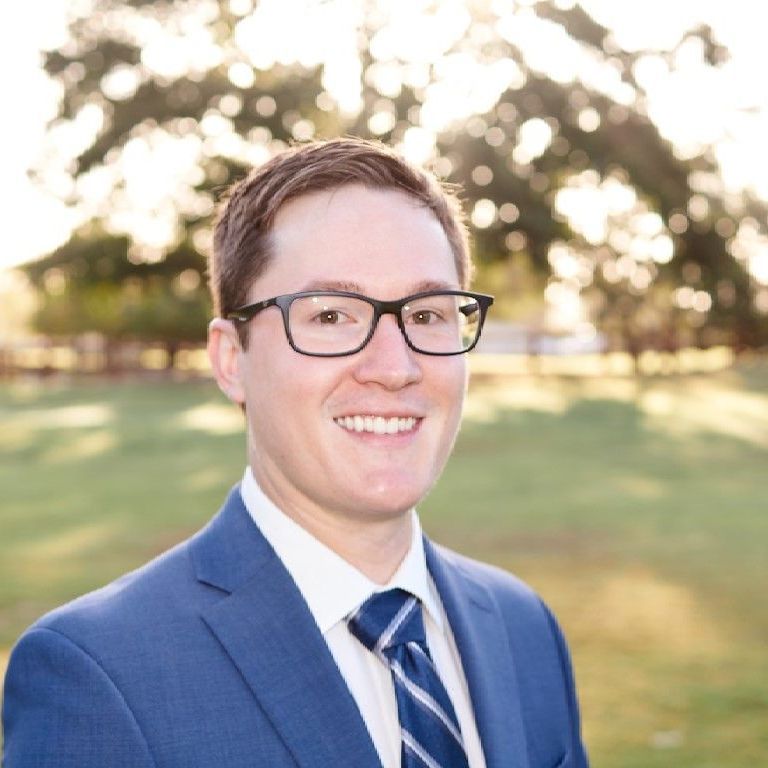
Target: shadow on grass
column 99, row 478
column 636, row 508
column 646, row 531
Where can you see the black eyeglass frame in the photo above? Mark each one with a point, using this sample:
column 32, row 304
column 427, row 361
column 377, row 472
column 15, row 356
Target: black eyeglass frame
column 249, row 311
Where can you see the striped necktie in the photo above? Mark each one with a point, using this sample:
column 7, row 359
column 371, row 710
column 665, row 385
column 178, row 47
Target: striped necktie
column 391, row 626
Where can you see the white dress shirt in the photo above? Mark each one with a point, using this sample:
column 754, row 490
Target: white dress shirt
column 333, row 589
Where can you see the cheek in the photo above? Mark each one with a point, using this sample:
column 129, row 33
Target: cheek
column 289, row 398
column 448, row 391
column 266, row 406
column 452, row 383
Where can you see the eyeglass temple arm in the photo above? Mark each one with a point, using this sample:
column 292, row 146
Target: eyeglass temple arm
column 243, row 314
column 484, row 303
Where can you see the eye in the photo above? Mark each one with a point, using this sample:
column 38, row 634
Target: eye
column 332, row 317
column 425, row 317
column 329, row 317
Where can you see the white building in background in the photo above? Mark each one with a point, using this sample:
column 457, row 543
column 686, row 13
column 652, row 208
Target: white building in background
column 515, row 338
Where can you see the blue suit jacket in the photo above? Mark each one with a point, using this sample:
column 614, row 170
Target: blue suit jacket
column 209, row 657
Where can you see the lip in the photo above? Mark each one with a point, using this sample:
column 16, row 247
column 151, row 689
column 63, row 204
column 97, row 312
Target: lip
column 400, row 414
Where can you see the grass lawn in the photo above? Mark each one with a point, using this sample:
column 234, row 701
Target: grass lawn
column 637, row 508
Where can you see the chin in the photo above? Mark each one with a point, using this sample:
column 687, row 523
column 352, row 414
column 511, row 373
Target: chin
column 392, row 496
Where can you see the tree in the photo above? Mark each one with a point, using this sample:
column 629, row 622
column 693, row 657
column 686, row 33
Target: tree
column 540, row 154
column 90, row 285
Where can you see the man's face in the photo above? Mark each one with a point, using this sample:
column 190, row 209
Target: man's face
column 384, row 245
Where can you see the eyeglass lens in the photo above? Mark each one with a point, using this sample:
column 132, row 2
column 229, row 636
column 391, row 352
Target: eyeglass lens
column 438, row 323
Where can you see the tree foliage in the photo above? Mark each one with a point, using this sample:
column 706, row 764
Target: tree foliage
column 672, row 259
column 91, row 285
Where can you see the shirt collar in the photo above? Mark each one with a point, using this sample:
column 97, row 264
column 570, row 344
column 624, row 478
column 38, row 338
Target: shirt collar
column 332, row 587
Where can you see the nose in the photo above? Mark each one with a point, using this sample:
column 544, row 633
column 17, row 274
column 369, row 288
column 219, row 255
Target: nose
column 387, row 359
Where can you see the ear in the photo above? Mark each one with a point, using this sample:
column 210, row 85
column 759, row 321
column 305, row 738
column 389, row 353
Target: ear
column 224, row 352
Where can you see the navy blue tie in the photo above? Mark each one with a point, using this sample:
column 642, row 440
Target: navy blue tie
column 391, row 626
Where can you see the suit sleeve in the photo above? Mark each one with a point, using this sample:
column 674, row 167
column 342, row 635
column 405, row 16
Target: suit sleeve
column 61, row 710
column 578, row 755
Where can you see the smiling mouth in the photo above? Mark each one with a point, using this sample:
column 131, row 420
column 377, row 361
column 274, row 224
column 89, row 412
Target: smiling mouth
column 378, row 425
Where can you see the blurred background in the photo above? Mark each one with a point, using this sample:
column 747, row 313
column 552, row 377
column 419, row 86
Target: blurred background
column 613, row 165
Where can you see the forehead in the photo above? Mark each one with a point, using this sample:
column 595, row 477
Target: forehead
column 375, row 238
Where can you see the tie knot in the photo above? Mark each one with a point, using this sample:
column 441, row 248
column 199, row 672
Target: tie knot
column 388, row 619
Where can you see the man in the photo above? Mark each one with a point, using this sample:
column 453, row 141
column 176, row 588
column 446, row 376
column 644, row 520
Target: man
column 310, row 623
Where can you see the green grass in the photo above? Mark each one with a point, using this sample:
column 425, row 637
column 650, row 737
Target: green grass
column 637, row 508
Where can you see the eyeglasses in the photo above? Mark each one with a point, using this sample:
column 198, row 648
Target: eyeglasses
column 338, row 323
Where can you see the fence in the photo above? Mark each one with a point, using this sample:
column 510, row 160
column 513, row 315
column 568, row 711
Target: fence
column 41, row 357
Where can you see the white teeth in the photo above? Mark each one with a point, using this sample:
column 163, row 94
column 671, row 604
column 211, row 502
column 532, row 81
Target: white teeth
column 378, row 425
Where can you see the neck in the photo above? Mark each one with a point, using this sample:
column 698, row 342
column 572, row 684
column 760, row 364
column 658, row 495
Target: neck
column 375, row 549
column 374, row 545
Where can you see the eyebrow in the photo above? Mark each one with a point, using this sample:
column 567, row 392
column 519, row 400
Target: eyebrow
column 332, row 285
column 345, row 285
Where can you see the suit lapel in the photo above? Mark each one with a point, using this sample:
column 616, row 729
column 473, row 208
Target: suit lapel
column 481, row 638
column 270, row 635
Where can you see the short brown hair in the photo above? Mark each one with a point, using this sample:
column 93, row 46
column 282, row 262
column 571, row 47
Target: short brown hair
column 241, row 247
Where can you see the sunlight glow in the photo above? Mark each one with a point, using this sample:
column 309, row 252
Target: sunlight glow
column 310, row 33
column 241, row 74
column 171, row 53
column 414, row 34
column 749, row 246
column 418, row 145
column 483, row 213
column 213, row 418
column 609, row 211
column 432, row 46
column 706, row 406
column 121, row 82
column 537, row 38
column 73, row 543
column 758, row 266
column 464, row 86
column 159, row 172
column 534, row 136
column 568, row 265
column 67, row 417
column 697, row 103
column 565, row 308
